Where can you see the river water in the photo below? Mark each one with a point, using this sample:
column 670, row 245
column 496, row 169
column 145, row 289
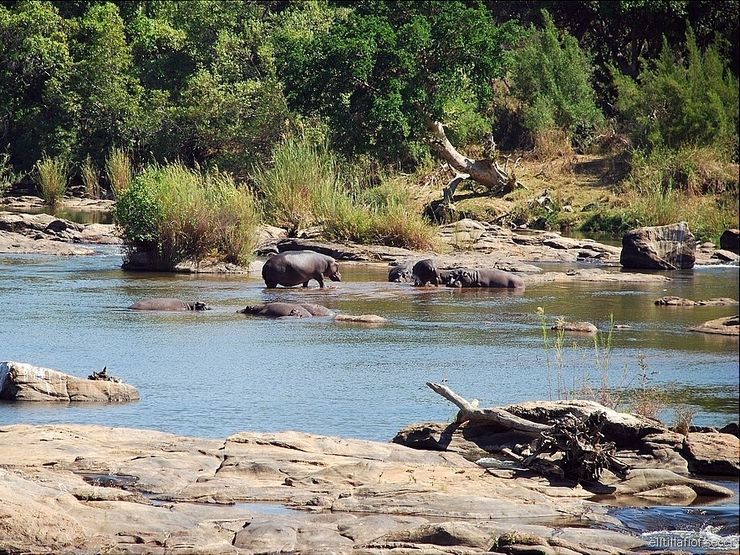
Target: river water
column 218, row 372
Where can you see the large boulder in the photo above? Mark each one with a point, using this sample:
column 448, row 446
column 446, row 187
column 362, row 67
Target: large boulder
column 667, row 247
column 730, row 241
column 25, row 382
column 714, row 454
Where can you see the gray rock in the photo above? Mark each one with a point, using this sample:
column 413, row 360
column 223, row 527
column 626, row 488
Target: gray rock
column 25, row 382
column 730, row 240
column 667, row 247
column 729, row 325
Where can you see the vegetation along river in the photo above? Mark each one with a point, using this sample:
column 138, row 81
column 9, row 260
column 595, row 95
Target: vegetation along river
column 213, row 373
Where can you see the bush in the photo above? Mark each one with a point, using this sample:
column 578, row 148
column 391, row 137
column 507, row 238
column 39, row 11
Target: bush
column 551, row 76
column 52, row 175
column 667, row 186
column 681, row 102
column 176, row 213
column 385, row 214
column 6, row 173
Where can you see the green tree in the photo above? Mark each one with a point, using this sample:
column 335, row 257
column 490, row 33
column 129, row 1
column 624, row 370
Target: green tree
column 677, row 102
column 379, row 72
column 551, row 75
column 35, row 73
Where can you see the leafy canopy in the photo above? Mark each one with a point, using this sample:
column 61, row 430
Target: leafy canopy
column 379, row 70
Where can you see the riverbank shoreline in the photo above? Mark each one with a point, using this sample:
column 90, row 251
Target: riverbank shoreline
column 80, row 488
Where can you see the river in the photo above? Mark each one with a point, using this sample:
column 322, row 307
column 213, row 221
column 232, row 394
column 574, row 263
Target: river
column 218, row 372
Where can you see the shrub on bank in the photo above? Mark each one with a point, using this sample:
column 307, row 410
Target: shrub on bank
column 52, row 175
column 175, row 213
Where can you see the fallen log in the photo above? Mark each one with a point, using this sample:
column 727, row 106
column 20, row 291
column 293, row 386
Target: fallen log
column 500, row 417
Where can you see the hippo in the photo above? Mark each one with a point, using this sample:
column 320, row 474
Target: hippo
column 296, row 267
column 425, row 271
column 287, row 310
column 485, row 278
column 168, row 304
column 400, row 273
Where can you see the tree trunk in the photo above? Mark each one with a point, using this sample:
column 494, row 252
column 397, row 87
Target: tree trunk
column 500, row 417
column 484, row 171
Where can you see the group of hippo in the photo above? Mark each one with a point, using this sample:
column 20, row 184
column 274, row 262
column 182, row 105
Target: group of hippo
column 425, row 272
column 300, row 267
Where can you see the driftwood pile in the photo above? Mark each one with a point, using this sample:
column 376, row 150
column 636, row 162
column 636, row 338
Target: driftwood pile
column 573, row 448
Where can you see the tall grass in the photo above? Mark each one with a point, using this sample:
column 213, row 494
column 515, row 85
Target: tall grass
column 6, row 173
column 176, row 213
column 52, row 175
column 306, row 185
column 119, row 170
column 90, row 177
column 301, row 186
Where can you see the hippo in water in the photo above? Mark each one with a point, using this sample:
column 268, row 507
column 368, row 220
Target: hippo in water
column 287, row 310
column 400, row 273
column 299, row 267
column 484, row 278
column 425, row 271
column 168, row 304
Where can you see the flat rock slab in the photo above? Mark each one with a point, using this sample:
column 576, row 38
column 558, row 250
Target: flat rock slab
column 74, row 488
column 17, row 243
column 729, row 325
column 25, row 382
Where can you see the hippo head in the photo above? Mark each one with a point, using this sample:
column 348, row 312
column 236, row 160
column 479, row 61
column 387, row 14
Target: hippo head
column 332, row 272
column 461, row 278
column 198, row 305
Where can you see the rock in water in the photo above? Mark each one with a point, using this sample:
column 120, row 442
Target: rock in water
column 730, row 240
column 25, row 382
column 667, row 247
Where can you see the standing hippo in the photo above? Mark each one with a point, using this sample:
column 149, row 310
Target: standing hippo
column 425, row 271
column 168, row 304
column 400, row 273
column 485, row 278
column 296, row 267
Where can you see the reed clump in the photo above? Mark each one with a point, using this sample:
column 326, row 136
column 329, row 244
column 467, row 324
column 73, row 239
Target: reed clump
column 306, row 185
column 119, row 169
column 90, row 177
column 52, row 175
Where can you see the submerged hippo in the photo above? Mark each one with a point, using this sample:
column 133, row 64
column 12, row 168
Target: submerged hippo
column 168, row 304
column 400, row 273
column 484, row 278
column 287, row 310
column 425, row 271
column 299, row 267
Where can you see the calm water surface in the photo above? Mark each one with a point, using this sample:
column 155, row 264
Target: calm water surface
column 218, row 372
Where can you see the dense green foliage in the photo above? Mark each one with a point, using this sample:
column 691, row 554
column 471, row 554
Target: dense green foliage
column 676, row 103
column 551, row 76
column 224, row 85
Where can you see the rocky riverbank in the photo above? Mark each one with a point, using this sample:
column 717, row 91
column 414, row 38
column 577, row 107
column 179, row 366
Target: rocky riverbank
column 91, row 489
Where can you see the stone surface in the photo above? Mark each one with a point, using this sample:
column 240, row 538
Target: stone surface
column 667, row 247
column 361, row 318
column 729, row 325
column 715, row 454
column 679, row 301
column 576, row 327
column 91, row 489
column 25, row 382
column 730, row 240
